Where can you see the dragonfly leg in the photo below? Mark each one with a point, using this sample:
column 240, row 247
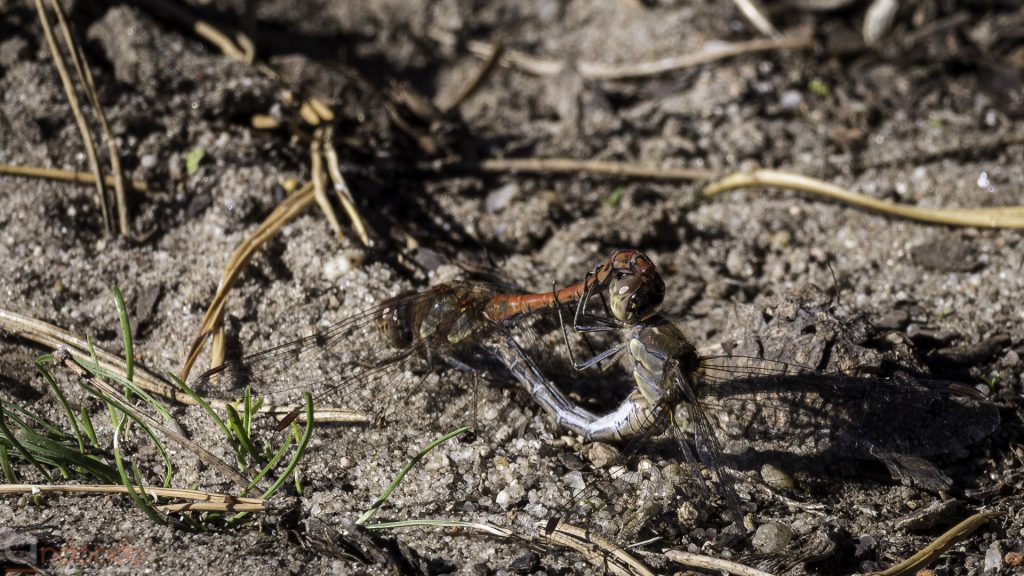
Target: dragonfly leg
column 565, row 337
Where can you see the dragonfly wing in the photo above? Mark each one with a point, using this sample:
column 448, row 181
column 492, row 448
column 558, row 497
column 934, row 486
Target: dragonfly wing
column 793, row 409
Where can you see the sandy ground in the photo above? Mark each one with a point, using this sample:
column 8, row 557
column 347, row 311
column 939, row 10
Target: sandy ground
column 928, row 118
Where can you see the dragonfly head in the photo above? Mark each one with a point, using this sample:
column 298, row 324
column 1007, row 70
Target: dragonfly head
column 635, row 297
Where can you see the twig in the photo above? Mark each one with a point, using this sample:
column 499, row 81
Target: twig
column 319, row 186
column 929, row 553
column 204, row 501
column 76, row 110
column 755, row 15
column 65, row 176
column 597, row 550
column 89, row 87
column 1002, row 217
column 712, row 52
column 312, row 110
column 710, row 563
column 341, row 188
column 570, row 166
column 113, row 395
column 490, row 63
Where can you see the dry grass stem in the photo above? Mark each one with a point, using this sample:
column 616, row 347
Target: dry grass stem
column 754, row 14
column 76, row 110
column 342, row 190
column 929, row 553
column 66, row 176
column 319, row 182
column 89, row 87
column 485, row 69
column 702, row 562
column 712, row 52
column 52, row 337
column 286, row 211
column 1002, row 217
column 603, row 553
column 570, row 166
column 201, row 501
column 63, row 357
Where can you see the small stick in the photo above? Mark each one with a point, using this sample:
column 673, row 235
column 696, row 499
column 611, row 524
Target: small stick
column 1001, row 217
column 712, row 52
column 490, row 63
column 65, row 176
column 710, row 563
column 207, row 501
column 76, row 110
column 570, row 166
column 89, row 87
column 938, row 547
column 319, row 186
column 342, row 190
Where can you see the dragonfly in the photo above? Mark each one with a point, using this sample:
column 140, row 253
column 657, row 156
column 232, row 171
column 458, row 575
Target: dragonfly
column 788, row 408
column 378, row 354
column 362, row 353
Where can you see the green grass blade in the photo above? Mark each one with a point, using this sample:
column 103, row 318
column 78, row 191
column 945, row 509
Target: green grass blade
column 83, row 416
column 5, row 431
column 202, row 403
column 404, row 471
column 141, row 502
column 126, row 331
column 5, row 464
column 63, row 403
column 238, row 428
column 299, row 452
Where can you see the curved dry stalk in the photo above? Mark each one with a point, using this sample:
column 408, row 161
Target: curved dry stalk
column 203, row 501
column 65, row 176
column 285, row 212
column 485, row 69
column 570, row 166
column 1002, row 217
column 929, row 553
column 712, row 52
column 709, row 563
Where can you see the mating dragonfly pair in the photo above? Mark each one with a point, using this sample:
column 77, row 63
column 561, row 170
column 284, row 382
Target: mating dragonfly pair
column 369, row 357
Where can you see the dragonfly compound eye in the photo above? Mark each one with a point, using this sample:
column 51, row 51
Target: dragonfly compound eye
column 633, row 298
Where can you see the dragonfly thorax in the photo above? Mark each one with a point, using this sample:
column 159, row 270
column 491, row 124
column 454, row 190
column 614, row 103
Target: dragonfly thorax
column 660, row 354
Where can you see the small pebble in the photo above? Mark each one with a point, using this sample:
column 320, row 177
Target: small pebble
column 772, row 537
column 776, row 477
column 1014, row 559
column 690, row 516
column 791, row 99
column 993, row 560
column 498, row 200
column 342, row 264
column 525, row 563
column 865, row 545
column 602, row 455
